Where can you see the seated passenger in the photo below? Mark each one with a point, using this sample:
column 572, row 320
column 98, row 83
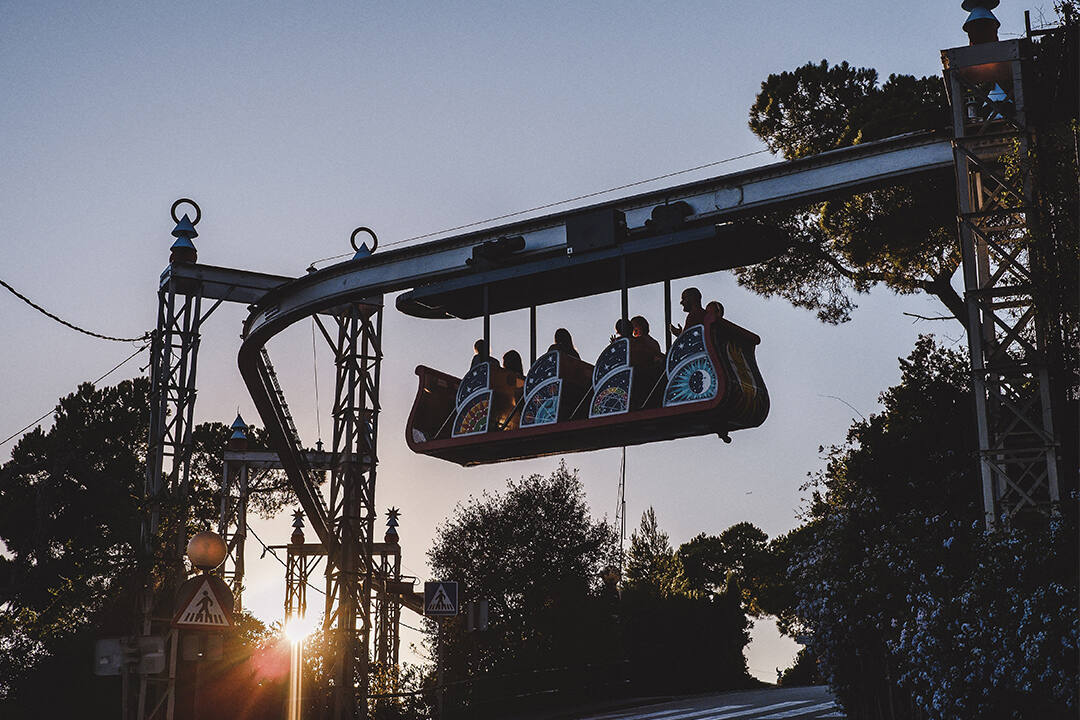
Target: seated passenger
column 695, row 314
column 623, row 329
column 480, row 354
column 564, row 343
column 642, row 337
column 511, row 360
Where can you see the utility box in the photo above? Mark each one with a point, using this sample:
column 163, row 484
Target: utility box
column 594, row 230
column 476, row 615
column 143, row 655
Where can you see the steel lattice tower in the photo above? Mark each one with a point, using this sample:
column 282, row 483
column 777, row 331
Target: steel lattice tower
column 232, row 522
column 350, row 568
column 1010, row 329
column 174, row 350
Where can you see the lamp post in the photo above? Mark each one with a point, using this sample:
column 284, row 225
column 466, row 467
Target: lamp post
column 203, row 611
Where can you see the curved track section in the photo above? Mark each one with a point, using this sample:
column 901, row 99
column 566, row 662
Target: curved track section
column 320, row 292
column 757, row 190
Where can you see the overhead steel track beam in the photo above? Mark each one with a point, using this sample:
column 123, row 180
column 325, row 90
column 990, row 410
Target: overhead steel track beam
column 714, row 200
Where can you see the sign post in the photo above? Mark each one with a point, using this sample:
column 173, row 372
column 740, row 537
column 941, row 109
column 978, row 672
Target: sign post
column 203, row 612
column 440, row 600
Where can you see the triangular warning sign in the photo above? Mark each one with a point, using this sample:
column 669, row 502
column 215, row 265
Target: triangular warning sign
column 203, row 610
column 441, row 602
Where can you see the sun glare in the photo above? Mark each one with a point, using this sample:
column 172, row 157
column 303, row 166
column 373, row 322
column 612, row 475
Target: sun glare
column 298, row 628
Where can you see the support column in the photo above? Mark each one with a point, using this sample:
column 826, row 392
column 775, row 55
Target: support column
column 232, row 523
column 1009, row 326
column 349, row 571
column 174, row 353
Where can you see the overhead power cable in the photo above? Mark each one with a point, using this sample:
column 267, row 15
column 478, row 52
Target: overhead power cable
column 268, row 549
column 60, row 320
column 546, row 206
column 92, row 382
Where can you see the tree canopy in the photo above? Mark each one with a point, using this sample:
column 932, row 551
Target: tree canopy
column 913, row 610
column 70, row 509
column 680, row 635
column 652, row 565
column 557, row 620
column 736, row 554
column 901, row 236
column 537, row 556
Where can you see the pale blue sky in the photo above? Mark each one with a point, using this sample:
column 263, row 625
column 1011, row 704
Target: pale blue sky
column 293, row 123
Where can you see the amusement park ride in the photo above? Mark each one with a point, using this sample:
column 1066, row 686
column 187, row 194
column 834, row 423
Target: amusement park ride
column 708, row 381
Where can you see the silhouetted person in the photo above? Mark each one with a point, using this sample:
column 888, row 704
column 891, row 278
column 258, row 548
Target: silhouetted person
column 691, row 304
column 564, row 343
column 480, row 354
column 511, row 360
column 715, row 308
column 623, row 329
column 641, row 334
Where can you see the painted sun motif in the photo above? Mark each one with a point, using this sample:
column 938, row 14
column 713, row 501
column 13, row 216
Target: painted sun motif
column 474, row 419
column 693, row 382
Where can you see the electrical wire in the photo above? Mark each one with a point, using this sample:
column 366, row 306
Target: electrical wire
column 268, row 549
column 93, row 382
column 60, row 320
column 546, row 206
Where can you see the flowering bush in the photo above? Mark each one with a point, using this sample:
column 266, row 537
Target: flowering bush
column 912, row 608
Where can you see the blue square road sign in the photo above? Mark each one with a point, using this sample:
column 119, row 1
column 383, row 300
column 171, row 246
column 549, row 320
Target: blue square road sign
column 441, row 599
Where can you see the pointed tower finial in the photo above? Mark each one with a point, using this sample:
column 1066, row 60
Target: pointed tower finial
column 183, row 250
column 981, row 25
column 298, row 528
column 363, row 251
column 392, row 516
column 239, row 438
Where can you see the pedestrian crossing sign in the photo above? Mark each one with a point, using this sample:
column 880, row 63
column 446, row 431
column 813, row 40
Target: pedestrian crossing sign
column 441, row 599
column 203, row 609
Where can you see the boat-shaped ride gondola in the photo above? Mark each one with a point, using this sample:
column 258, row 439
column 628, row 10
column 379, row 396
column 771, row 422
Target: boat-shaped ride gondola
column 708, row 383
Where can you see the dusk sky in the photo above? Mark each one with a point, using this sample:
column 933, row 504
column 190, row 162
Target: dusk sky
column 291, row 124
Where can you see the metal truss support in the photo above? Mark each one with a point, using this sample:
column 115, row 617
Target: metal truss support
column 174, row 351
column 387, row 617
column 1009, row 327
column 302, row 559
column 244, row 471
column 232, row 524
column 350, row 569
column 174, row 354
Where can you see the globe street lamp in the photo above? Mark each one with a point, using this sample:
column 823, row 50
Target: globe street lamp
column 206, row 550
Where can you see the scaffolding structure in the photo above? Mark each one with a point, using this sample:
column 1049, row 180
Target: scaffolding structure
column 356, row 579
column 302, row 560
column 1010, row 329
column 350, row 566
column 174, row 349
column 242, row 472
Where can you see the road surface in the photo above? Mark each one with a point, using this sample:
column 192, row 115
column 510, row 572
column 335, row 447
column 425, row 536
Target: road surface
column 807, row 703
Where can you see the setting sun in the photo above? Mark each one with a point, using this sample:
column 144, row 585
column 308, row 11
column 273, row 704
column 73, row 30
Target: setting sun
column 298, row 628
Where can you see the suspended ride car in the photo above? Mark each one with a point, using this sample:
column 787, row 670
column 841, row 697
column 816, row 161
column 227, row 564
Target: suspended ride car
column 710, row 384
